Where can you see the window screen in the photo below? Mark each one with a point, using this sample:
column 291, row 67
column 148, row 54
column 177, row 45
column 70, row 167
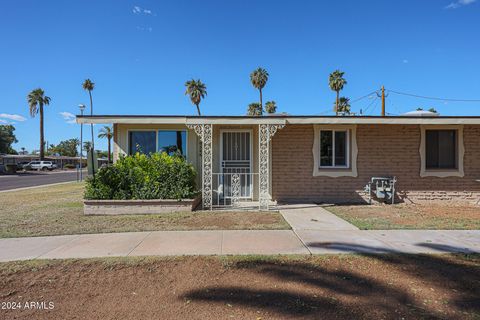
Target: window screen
column 441, row 149
column 333, row 148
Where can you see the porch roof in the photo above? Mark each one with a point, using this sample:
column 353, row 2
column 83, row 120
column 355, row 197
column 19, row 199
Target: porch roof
column 274, row 119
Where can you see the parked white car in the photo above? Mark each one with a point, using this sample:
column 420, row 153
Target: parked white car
column 40, row 165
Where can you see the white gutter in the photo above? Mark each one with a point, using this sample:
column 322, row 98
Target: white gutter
column 366, row 120
column 280, row 120
column 133, row 120
column 234, row 121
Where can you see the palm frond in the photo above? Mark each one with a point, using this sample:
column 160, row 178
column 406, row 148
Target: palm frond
column 259, row 78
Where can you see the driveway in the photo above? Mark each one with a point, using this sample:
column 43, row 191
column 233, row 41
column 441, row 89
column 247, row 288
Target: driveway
column 33, row 179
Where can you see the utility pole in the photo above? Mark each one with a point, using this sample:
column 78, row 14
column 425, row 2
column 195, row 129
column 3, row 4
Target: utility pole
column 383, row 101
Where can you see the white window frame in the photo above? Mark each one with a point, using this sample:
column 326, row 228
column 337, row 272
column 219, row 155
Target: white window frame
column 347, row 155
column 441, row 173
column 350, row 170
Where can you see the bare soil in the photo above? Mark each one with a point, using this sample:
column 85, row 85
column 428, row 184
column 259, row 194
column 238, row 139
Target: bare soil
column 56, row 210
column 319, row 287
column 410, row 216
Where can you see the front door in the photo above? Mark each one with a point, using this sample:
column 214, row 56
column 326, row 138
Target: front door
column 236, row 158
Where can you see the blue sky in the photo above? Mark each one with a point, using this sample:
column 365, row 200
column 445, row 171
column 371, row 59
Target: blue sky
column 140, row 53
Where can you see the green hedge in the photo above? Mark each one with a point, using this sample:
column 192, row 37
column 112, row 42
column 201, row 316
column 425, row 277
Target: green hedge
column 157, row 176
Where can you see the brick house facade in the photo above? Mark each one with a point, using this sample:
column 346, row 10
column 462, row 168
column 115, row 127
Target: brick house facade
column 383, row 150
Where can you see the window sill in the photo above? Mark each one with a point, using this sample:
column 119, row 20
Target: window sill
column 335, row 172
column 442, row 173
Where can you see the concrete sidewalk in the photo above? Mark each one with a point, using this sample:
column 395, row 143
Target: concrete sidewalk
column 238, row 242
column 312, row 217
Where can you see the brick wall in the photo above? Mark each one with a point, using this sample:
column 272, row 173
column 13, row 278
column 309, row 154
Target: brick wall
column 383, row 150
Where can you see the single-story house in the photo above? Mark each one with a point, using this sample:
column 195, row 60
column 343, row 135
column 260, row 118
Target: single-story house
column 327, row 159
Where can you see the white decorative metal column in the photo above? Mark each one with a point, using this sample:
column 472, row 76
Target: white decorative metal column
column 265, row 134
column 204, row 132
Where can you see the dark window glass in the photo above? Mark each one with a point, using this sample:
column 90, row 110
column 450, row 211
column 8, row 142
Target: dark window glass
column 141, row 141
column 326, row 148
column 172, row 142
column 340, row 148
column 441, row 149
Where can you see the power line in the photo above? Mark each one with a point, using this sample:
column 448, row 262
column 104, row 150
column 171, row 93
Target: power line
column 370, row 104
column 363, row 97
column 434, row 98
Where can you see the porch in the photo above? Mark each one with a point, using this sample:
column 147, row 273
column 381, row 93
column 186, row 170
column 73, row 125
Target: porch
column 235, row 164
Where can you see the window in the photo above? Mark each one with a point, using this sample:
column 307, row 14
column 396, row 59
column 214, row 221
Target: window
column 142, row 142
column 172, row 142
column 335, row 151
column 333, row 148
column 441, row 149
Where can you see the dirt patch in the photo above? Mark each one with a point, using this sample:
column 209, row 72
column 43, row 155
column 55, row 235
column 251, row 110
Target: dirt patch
column 410, row 216
column 327, row 287
column 57, row 210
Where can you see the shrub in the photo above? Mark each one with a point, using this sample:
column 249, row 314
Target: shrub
column 158, row 176
column 70, row 166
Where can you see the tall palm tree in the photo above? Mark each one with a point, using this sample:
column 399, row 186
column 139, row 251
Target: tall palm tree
column 197, row 91
column 87, row 145
column 254, row 109
column 88, row 85
column 343, row 106
column 259, row 78
column 36, row 100
column 271, row 106
column 336, row 83
column 106, row 133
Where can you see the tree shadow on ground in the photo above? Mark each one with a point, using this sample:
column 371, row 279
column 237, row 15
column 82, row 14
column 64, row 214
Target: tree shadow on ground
column 361, row 296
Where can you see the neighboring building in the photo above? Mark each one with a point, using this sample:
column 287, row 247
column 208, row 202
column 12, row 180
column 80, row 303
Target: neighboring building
column 326, row 159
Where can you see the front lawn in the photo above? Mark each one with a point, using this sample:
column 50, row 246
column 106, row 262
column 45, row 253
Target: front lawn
column 313, row 287
column 55, row 210
column 410, row 216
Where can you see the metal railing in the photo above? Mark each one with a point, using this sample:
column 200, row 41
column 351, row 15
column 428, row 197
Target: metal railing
column 229, row 188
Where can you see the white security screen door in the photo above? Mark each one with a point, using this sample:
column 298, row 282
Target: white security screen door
column 236, row 158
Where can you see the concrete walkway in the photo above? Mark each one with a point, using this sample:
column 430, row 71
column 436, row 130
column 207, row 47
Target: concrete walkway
column 313, row 217
column 240, row 242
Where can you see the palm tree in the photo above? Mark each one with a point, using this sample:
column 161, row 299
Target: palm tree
column 336, row 83
column 197, row 91
column 87, row 145
column 36, row 100
column 255, row 109
column 259, row 78
column 343, row 105
column 88, row 85
column 106, row 132
column 270, row 106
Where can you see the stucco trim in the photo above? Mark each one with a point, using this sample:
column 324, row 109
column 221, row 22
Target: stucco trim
column 335, row 172
column 459, row 172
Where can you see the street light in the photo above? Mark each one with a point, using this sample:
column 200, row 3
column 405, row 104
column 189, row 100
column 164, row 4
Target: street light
column 82, row 108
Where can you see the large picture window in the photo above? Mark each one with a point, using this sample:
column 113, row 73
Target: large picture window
column 142, row 142
column 146, row 141
column 334, row 146
column 441, row 149
column 172, row 141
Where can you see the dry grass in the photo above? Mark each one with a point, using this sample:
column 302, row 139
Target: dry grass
column 411, row 216
column 58, row 210
column 254, row 287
